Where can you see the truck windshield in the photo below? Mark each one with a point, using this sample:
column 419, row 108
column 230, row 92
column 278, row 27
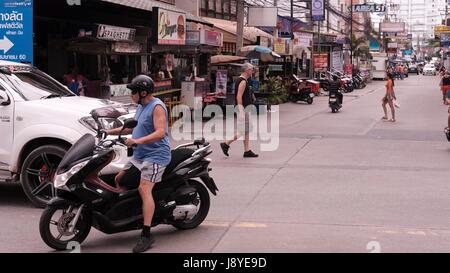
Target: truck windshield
column 33, row 84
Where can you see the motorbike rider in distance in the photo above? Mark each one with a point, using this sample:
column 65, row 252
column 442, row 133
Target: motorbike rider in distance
column 151, row 153
column 334, row 88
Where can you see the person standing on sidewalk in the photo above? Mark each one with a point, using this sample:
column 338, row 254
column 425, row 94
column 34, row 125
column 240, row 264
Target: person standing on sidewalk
column 244, row 98
column 389, row 98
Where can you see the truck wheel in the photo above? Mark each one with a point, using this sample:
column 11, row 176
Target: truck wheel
column 38, row 171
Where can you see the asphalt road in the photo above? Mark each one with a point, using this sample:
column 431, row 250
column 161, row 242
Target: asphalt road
column 346, row 182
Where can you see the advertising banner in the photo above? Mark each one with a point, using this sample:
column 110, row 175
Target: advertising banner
column 170, row 26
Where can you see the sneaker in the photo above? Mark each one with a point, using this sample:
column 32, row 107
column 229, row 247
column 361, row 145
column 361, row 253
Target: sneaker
column 250, row 154
column 225, row 147
column 144, row 244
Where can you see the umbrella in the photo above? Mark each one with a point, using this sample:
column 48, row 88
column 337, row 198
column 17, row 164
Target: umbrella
column 258, row 52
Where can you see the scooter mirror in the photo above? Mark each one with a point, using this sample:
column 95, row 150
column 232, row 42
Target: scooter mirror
column 130, row 123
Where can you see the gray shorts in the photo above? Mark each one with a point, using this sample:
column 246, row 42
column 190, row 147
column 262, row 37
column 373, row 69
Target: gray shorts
column 149, row 171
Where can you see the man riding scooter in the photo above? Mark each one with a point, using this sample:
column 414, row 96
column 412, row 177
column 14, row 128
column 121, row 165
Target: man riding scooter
column 152, row 150
column 335, row 94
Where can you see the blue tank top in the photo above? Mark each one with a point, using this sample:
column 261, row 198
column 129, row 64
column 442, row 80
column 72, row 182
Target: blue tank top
column 157, row 152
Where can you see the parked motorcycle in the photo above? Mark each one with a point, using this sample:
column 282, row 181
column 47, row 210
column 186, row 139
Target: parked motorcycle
column 359, row 82
column 299, row 91
column 84, row 200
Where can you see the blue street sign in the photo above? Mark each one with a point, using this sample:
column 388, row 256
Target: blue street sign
column 16, row 30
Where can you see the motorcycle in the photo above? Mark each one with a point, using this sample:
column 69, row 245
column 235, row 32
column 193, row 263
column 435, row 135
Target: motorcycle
column 84, row 200
column 300, row 92
column 334, row 103
column 359, row 82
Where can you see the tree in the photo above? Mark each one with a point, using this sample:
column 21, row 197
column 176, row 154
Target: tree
column 359, row 46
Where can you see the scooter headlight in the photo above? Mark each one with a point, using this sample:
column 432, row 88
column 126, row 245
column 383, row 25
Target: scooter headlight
column 61, row 180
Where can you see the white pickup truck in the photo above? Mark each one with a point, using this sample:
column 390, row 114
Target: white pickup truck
column 39, row 121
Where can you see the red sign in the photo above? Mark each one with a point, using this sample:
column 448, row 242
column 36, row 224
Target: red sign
column 320, row 62
column 348, row 69
column 161, row 84
column 211, row 38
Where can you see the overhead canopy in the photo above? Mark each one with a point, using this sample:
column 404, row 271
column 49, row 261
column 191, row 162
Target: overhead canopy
column 149, row 4
column 226, row 59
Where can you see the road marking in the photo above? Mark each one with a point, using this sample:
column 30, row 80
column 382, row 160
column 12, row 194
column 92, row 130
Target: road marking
column 250, row 225
column 238, row 225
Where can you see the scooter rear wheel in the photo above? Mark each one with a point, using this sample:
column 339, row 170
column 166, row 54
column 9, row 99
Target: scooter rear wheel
column 60, row 223
column 203, row 196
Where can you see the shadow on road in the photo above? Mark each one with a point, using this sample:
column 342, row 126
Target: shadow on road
column 13, row 195
column 124, row 242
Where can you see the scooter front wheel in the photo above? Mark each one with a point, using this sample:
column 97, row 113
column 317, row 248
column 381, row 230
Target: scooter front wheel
column 54, row 228
column 203, row 201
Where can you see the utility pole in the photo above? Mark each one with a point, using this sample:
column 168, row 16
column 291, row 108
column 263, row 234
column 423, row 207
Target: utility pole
column 240, row 25
column 292, row 36
column 351, row 33
column 275, row 30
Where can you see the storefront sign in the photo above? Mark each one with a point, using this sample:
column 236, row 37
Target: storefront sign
column 348, row 69
column 113, row 33
column 16, row 30
column 265, row 41
column 124, row 47
column 392, row 45
column 302, row 39
column 282, row 46
column 341, row 39
column 193, row 37
column 337, row 60
column 320, row 62
column 221, row 83
column 445, row 39
column 275, row 67
column 441, row 29
column 163, row 84
column 318, row 10
column 170, row 26
column 392, row 27
column 369, row 8
column 212, row 38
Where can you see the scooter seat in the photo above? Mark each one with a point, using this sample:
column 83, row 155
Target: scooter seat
column 178, row 156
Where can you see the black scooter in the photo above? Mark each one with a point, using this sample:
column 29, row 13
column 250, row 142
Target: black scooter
column 84, row 200
column 334, row 102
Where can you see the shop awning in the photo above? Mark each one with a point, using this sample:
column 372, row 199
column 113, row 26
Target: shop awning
column 217, row 59
column 149, row 4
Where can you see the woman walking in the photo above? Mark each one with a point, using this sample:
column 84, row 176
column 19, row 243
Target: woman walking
column 389, row 98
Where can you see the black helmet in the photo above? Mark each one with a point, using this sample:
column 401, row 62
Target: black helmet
column 142, row 83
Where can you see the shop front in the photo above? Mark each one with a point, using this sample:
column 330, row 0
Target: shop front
column 110, row 56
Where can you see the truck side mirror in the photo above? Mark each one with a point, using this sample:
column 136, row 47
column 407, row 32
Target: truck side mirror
column 4, row 99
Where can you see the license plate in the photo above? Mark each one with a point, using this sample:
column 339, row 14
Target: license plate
column 311, row 95
column 333, row 100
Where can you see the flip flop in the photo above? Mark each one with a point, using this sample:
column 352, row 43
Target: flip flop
column 384, row 118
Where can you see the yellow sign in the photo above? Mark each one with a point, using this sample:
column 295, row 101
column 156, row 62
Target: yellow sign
column 441, row 29
column 280, row 46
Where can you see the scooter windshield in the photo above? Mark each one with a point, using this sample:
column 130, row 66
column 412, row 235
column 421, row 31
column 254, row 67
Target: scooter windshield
column 83, row 148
